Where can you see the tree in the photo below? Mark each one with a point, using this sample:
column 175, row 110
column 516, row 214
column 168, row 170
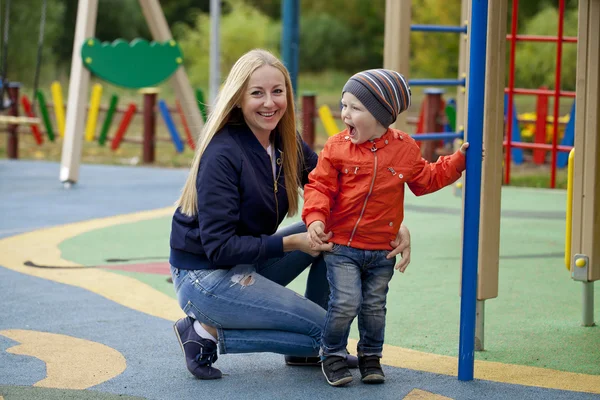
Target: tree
column 24, row 25
column 535, row 63
column 435, row 55
column 242, row 29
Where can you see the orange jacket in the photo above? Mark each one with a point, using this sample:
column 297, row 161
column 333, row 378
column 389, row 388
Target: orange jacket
column 358, row 190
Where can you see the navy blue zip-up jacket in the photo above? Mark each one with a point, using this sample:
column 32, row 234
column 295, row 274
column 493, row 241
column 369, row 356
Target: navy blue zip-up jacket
column 238, row 206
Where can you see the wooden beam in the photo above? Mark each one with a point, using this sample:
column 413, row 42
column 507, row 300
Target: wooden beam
column 493, row 132
column 79, row 79
column 396, row 45
column 586, row 183
column 585, row 216
column 11, row 120
column 160, row 31
column 463, row 65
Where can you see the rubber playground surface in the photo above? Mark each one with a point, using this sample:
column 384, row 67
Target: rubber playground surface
column 87, row 312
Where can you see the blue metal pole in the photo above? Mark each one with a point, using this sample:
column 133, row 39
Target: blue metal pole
column 438, row 28
column 290, row 37
column 476, row 90
column 436, row 82
column 437, row 136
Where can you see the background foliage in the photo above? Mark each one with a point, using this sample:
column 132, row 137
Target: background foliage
column 340, row 35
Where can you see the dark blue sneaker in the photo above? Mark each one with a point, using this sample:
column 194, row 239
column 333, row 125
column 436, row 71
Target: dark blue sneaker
column 370, row 369
column 199, row 353
column 336, row 370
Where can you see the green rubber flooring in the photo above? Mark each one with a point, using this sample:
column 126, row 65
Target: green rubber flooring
column 534, row 321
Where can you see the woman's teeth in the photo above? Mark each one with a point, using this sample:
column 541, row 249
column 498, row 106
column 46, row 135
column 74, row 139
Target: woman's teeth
column 267, row 114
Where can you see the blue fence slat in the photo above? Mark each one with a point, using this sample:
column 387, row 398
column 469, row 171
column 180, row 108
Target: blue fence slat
column 166, row 115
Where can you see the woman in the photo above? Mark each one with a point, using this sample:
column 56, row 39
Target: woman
column 229, row 263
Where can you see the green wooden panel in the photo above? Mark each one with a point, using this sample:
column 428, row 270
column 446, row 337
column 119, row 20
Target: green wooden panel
column 451, row 114
column 134, row 65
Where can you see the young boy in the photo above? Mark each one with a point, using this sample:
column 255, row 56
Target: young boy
column 356, row 194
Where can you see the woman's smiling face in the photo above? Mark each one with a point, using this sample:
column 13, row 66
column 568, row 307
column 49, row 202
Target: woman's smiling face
column 264, row 101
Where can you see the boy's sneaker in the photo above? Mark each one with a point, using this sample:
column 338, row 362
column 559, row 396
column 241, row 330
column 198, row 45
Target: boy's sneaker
column 336, row 370
column 199, row 353
column 370, row 369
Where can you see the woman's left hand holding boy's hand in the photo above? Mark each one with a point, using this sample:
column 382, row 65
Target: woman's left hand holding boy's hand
column 401, row 245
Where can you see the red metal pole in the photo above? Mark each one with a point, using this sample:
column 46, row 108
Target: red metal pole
column 540, row 38
column 12, row 145
column 188, row 133
column 114, row 145
column 539, row 156
column 540, row 146
column 561, row 18
column 536, row 92
column 308, row 119
column 511, row 86
column 35, row 130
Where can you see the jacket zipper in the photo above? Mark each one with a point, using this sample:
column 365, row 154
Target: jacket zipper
column 374, row 150
column 275, row 190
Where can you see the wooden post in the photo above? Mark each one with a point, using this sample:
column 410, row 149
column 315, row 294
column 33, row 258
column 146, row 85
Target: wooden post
column 149, row 142
column 396, row 49
column 308, row 119
column 491, row 173
column 431, row 121
column 586, row 182
column 12, row 144
column 78, row 91
column 493, row 132
column 463, row 63
column 183, row 90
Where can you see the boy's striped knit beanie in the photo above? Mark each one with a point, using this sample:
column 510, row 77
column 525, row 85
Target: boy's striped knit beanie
column 385, row 93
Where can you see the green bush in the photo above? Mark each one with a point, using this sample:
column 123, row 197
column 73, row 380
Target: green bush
column 325, row 43
column 535, row 62
column 243, row 29
column 435, row 55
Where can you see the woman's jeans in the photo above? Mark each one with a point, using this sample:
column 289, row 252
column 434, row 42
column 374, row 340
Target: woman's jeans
column 251, row 308
column 358, row 280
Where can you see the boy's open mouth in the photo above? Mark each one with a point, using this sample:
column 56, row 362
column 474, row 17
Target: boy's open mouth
column 351, row 130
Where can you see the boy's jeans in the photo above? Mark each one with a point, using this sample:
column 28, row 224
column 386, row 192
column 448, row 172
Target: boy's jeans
column 358, row 281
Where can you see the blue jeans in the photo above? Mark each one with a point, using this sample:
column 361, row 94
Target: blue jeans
column 251, row 308
column 358, row 280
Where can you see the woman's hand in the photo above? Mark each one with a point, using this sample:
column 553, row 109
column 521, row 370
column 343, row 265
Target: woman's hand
column 300, row 241
column 401, row 246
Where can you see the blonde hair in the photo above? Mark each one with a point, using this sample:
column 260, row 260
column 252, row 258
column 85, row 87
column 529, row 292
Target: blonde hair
column 225, row 111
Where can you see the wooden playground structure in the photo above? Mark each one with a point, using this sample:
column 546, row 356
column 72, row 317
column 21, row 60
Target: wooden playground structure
column 584, row 226
column 80, row 77
column 122, row 64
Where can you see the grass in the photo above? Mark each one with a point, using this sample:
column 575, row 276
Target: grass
column 326, row 86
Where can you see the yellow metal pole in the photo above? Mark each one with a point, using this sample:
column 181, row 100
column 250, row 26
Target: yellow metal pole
column 328, row 121
column 90, row 127
column 59, row 107
column 568, row 226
